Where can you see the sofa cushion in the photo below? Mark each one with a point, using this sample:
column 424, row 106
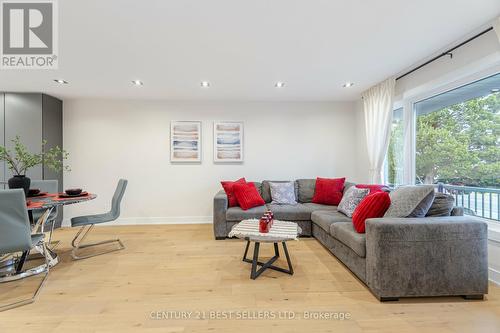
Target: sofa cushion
column 351, row 199
column 236, row 214
column 345, row 233
column 328, row 191
column 283, row 193
column 410, row 201
column 442, row 205
column 266, row 189
column 324, row 219
column 298, row 212
column 306, row 189
column 247, row 195
column 459, row 211
column 314, row 207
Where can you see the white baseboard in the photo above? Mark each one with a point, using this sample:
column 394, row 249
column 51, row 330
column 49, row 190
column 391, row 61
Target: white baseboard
column 155, row 220
column 494, row 276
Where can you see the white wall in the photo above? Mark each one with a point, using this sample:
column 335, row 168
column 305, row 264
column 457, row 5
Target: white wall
column 109, row 139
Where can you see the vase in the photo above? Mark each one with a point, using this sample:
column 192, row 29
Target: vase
column 20, row 181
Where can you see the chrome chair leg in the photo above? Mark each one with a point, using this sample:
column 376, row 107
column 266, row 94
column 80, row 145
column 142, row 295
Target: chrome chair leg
column 37, row 291
column 41, row 223
column 8, row 260
column 78, row 245
column 52, row 244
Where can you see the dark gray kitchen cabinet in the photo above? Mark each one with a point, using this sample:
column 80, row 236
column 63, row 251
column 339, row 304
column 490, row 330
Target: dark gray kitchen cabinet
column 33, row 117
column 52, row 131
column 23, row 118
column 2, row 139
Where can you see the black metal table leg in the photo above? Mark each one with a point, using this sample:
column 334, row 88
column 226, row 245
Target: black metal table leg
column 254, row 273
column 268, row 264
column 246, row 251
column 289, row 262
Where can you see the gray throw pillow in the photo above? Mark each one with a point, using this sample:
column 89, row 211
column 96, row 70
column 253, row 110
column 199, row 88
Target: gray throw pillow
column 442, row 205
column 266, row 188
column 306, row 188
column 283, row 193
column 410, row 201
column 351, row 200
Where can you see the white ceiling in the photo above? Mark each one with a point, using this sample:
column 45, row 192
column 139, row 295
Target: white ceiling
column 244, row 47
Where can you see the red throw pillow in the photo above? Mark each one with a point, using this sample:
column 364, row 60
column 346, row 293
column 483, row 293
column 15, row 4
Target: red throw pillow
column 372, row 206
column 228, row 188
column 328, row 191
column 372, row 187
column 247, row 195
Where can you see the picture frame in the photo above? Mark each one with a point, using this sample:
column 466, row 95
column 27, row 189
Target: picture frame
column 185, row 141
column 228, row 141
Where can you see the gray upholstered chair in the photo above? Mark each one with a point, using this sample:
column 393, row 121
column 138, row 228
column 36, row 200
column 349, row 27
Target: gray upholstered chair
column 90, row 220
column 50, row 186
column 16, row 237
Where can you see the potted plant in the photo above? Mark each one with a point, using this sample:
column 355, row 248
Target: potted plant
column 22, row 160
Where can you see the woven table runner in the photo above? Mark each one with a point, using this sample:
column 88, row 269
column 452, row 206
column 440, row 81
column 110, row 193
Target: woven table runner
column 280, row 231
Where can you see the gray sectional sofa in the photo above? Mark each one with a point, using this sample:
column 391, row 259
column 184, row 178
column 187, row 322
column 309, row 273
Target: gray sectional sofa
column 396, row 257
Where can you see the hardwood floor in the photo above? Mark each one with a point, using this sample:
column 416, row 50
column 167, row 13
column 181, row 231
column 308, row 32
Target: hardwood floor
column 170, row 270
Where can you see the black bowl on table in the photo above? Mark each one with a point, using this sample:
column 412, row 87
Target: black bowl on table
column 33, row 191
column 73, row 191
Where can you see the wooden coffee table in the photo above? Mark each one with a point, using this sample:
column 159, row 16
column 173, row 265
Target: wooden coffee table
column 280, row 232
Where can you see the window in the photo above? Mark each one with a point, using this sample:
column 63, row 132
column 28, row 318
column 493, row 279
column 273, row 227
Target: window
column 457, row 145
column 395, row 155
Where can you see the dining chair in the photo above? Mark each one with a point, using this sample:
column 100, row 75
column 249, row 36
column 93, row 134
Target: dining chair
column 90, row 220
column 16, row 237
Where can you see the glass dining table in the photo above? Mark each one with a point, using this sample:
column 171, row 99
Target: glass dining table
column 45, row 204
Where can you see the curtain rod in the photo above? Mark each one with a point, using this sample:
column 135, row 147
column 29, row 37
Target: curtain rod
column 445, row 53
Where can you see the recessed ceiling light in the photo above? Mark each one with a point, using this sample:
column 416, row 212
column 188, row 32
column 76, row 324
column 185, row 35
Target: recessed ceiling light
column 347, row 84
column 495, row 90
column 205, row 84
column 279, row 84
column 137, row 82
column 60, row 81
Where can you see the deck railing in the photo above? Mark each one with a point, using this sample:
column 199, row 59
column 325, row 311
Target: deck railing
column 484, row 202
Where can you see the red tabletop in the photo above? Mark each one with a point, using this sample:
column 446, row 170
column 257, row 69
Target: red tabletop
column 53, row 199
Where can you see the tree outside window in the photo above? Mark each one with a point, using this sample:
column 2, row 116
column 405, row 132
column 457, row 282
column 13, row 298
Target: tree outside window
column 460, row 144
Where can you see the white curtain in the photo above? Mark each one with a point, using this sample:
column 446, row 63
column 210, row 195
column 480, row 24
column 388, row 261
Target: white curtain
column 496, row 27
column 377, row 105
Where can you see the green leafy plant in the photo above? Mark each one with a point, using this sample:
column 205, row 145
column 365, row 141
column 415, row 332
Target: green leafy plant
column 22, row 160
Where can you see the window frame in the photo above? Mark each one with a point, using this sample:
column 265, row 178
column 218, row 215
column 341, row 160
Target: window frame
column 408, row 100
column 396, row 106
